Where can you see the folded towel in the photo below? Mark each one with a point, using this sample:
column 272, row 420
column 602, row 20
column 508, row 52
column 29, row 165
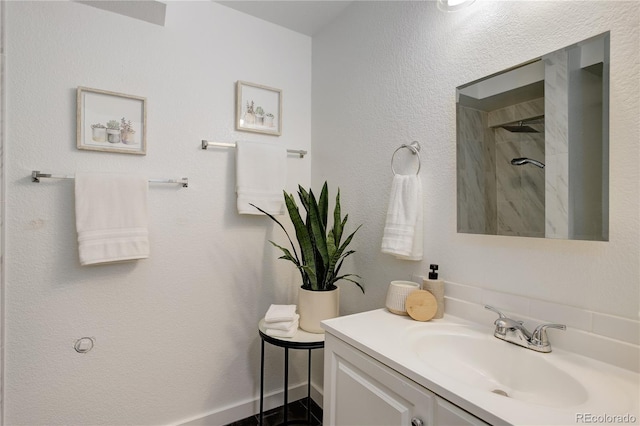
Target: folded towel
column 402, row 235
column 280, row 313
column 283, row 333
column 283, row 325
column 111, row 217
column 261, row 176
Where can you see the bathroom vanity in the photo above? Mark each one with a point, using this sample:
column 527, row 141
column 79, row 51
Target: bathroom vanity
column 386, row 369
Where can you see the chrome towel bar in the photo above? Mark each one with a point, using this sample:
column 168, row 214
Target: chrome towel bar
column 205, row 145
column 36, row 175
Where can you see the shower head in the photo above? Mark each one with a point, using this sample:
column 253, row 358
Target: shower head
column 520, row 128
column 522, row 161
column 522, row 125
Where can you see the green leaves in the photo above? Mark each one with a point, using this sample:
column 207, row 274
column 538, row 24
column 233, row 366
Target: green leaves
column 322, row 252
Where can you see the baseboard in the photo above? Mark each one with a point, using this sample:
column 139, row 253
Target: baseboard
column 251, row 407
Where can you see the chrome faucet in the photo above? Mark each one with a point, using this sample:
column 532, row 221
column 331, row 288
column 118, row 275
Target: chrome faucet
column 515, row 332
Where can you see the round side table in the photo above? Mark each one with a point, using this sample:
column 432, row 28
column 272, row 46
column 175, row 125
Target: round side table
column 301, row 340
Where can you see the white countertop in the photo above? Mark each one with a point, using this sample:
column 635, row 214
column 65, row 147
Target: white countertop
column 383, row 336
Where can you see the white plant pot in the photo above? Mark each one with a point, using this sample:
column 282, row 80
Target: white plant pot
column 99, row 134
column 316, row 306
column 127, row 138
column 113, row 135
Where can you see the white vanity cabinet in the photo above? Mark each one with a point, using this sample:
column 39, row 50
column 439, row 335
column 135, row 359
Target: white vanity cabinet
column 361, row 391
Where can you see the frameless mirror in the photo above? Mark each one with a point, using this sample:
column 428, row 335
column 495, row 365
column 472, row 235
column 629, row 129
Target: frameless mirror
column 533, row 147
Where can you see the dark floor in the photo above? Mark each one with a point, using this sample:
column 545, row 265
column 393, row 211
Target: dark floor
column 297, row 414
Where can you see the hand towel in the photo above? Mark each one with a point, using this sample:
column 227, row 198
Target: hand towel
column 283, row 333
column 279, row 313
column 111, row 217
column 261, row 176
column 402, row 235
column 283, row 325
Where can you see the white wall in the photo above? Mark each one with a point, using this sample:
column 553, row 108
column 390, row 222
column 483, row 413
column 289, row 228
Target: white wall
column 385, row 73
column 176, row 334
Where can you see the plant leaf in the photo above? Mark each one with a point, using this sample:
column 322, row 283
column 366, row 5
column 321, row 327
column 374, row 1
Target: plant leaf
column 323, row 204
column 338, row 224
column 304, row 197
column 348, row 240
column 281, row 226
column 287, row 254
column 355, row 282
column 303, row 236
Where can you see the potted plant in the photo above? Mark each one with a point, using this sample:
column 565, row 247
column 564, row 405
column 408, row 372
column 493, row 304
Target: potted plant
column 259, row 116
column 250, row 115
column 98, row 132
column 322, row 253
column 269, row 119
column 126, row 132
column 113, row 131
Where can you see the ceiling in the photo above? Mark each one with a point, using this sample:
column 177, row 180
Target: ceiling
column 306, row 17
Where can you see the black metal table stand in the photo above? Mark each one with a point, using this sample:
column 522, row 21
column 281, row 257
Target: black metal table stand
column 301, row 340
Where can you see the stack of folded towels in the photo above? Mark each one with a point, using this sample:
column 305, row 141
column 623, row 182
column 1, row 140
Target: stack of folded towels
column 281, row 320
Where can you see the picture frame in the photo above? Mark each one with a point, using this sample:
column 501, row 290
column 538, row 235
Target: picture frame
column 258, row 108
column 111, row 122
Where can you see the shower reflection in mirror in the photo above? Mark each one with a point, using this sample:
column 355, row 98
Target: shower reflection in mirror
column 533, row 147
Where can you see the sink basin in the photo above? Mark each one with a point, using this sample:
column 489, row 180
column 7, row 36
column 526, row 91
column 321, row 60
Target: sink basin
column 490, row 364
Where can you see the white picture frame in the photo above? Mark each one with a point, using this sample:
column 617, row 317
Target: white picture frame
column 111, row 122
column 258, row 108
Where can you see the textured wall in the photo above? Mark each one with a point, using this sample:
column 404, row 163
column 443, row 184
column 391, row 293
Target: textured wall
column 385, row 73
column 175, row 334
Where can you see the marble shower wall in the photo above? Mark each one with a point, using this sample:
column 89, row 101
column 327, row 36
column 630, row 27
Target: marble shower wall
column 556, row 87
column 495, row 197
column 520, row 189
column 476, row 173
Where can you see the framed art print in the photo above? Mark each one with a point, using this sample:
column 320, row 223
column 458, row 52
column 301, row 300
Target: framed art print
column 111, row 122
column 258, row 109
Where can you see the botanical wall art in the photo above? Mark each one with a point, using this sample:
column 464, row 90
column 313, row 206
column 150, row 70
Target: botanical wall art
column 258, row 109
column 110, row 121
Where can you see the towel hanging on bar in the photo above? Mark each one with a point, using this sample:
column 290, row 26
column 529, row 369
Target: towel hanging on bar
column 205, row 145
column 111, row 217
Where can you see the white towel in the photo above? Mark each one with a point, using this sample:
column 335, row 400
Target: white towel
column 111, row 217
column 280, row 313
column 261, row 176
column 403, row 228
column 283, row 333
column 283, row 325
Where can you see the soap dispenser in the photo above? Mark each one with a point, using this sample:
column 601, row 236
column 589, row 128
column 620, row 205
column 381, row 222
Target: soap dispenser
column 436, row 287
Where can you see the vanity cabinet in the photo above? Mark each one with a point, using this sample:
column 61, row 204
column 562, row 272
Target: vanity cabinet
column 360, row 390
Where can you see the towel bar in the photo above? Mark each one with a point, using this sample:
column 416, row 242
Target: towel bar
column 36, row 175
column 205, row 145
column 414, row 147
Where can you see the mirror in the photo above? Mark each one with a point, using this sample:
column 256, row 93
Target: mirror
column 533, row 147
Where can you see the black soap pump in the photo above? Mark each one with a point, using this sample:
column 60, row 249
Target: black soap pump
column 436, row 287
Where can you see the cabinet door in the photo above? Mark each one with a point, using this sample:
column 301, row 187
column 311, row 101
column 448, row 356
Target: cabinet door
column 361, row 391
column 451, row 415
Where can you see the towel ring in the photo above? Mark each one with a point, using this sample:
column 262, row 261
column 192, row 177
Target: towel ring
column 414, row 147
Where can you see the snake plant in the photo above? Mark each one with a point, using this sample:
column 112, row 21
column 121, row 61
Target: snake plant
column 322, row 250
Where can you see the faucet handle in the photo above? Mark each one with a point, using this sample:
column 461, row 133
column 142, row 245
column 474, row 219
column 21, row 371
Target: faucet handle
column 502, row 323
column 491, row 308
column 539, row 336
